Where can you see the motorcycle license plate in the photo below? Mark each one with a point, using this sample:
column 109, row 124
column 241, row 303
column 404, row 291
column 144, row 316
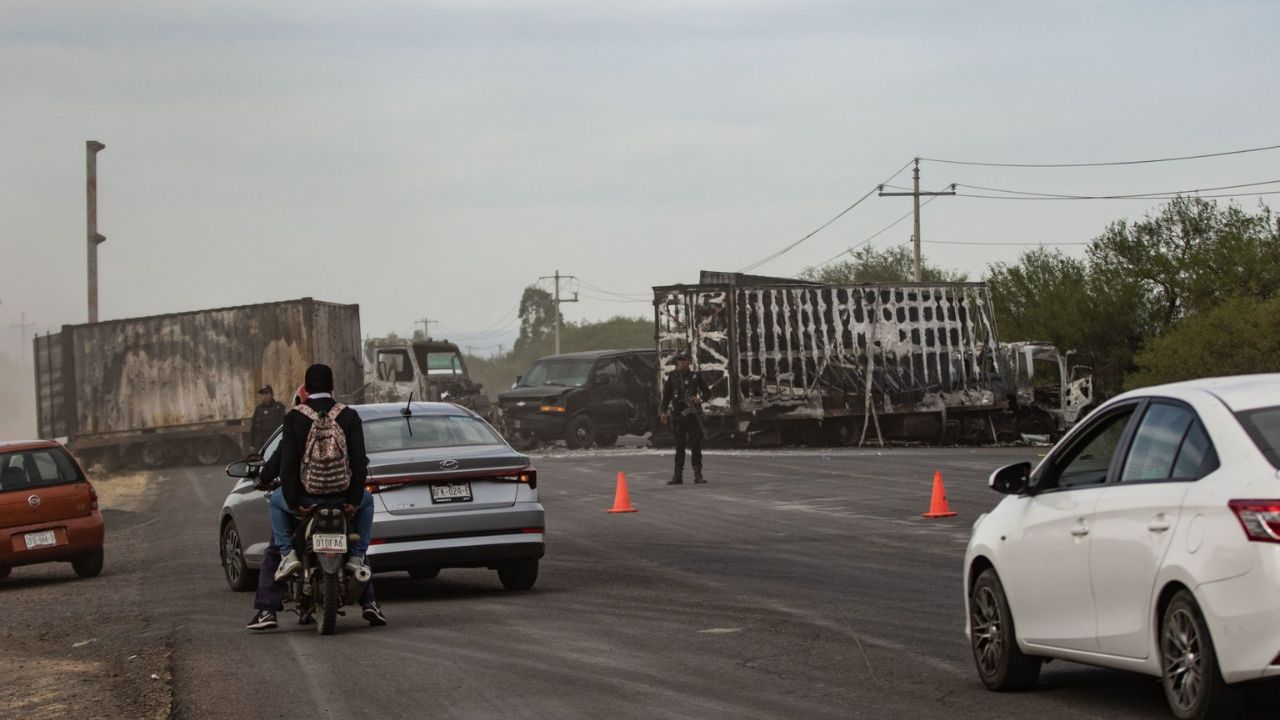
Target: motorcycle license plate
column 41, row 539
column 451, row 492
column 329, row 542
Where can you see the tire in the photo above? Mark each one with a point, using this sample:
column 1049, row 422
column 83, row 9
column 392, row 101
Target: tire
column 524, row 442
column 4, row 571
column 424, row 573
column 209, row 451
column 994, row 640
column 89, row 564
column 154, row 454
column 606, row 440
column 328, row 600
column 1193, row 684
column 519, row 575
column 580, row 433
column 239, row 577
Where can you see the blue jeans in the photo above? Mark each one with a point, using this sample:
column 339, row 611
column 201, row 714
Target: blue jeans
column 282, row 519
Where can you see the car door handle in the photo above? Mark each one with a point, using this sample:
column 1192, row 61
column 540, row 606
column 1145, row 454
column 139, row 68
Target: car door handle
column 1080, row 531
column 1159, row 524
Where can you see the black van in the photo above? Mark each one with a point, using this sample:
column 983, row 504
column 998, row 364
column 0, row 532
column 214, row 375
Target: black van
column 584, row 398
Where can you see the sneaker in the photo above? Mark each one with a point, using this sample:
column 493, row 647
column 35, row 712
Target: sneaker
column 289, row 564
column 264, row 620
column 373, row 614
column 354, row 563
column 697, row 477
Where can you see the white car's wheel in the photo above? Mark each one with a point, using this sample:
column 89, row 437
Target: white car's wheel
column 1193, row 685
column 1001, row 665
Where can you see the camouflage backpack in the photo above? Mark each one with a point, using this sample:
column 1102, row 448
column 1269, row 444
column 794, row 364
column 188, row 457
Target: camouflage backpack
column 326, row 470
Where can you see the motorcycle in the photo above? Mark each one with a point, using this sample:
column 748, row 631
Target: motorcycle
column 323, row 586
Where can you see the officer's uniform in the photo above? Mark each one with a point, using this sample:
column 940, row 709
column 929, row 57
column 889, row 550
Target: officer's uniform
column 677, row 391
column 266, row 418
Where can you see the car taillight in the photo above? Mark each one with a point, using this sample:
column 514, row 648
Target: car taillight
column 93, row 497
column 528, row 476
column 1259, row 518
column 376, row 486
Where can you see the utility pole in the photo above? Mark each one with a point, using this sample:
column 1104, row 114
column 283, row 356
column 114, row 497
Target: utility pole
column 92, row 148
column 915, row 195
column 556, row 301
column 426, row 327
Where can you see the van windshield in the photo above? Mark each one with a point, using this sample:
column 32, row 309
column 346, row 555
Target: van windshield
column 566, row 373
column 1263, row 425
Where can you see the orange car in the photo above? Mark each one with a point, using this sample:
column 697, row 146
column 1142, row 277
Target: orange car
column 48, row 509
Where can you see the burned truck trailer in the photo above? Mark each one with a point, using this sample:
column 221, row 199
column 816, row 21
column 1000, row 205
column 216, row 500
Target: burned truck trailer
column 182, row 387
column 790, row 361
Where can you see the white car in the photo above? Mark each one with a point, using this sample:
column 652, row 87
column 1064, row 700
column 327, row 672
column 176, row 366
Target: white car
column 1148, row 539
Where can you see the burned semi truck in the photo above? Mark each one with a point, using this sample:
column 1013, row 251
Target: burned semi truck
column 429, row 370
column 182, row 387
column 795, row 361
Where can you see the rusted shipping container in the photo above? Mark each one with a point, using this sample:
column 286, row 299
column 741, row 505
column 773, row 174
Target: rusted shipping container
column 172, row 387
column 793, row 359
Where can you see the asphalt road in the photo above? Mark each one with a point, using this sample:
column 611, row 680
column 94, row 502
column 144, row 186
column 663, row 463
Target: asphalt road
column 796, row 584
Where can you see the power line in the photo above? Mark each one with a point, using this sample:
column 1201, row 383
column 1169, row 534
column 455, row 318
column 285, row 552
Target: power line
column 876, row 234
column 614, row 300
column 1144, row 196
column 595, row 288
column 1103, row 164
column 825, row 225
column 958, row 242
column 1121, row 197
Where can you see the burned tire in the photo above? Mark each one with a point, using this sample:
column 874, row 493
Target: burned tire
column 519, row 575
column 89, row 564
column 580, row 433
column 328, row 600
column 154, row 454
column 239, row 577
column 1192, row 681
column 1001, row 665
column 209, row 451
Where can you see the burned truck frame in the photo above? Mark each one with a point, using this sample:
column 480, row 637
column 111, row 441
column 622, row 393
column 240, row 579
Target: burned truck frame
column 432, row 370
column 794, row 361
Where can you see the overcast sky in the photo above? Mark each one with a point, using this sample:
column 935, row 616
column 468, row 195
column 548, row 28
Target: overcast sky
column 430, row 159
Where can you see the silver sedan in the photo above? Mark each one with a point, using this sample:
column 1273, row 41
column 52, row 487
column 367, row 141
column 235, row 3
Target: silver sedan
column 448, row 493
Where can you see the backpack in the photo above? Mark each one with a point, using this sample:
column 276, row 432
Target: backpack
column 326, row 469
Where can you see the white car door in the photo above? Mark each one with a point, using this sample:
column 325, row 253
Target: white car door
column 1135, row 519
column 1045, row 564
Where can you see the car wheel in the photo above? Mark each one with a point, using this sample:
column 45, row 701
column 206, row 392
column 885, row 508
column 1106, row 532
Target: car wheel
column 580, row 433
column 424, row 573
column 4, row 571
column 1193, row 685
column 239, row 577
column 89, row 564
column 1001, row 665
column 519, row 575
column 606, row 440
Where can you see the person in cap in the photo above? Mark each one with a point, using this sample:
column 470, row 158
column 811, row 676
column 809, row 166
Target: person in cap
column 682, row 393
column 267, row 416
column 328, row 467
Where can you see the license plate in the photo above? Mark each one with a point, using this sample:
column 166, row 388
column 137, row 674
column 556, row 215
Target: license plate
column 329, row 542
column 41, row 539
column 451, row 492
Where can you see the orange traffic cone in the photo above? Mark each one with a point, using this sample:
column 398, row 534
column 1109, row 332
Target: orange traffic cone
column 622, row 498
column 938, row 507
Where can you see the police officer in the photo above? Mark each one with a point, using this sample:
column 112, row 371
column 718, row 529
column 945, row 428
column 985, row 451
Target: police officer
column 682, row 393
column 267, row 416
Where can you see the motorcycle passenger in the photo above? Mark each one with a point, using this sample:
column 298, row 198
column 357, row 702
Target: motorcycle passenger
column 682, row 393
column 269, row 598
column 321, row 468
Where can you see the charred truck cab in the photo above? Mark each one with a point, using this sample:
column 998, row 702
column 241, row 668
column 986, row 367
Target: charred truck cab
column 433, row 370
column 586, row 399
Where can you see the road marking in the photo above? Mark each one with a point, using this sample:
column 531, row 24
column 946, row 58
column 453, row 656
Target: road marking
column 719, row 631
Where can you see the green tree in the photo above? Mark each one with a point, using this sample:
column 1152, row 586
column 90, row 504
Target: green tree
column 1241, row 335
column 869, row 265
column 538, row 314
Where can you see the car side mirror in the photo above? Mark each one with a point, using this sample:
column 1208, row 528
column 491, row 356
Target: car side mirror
column 240, row 469
column 1011, row 479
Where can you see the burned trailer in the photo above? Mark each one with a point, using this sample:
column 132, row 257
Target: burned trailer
column 794, row 361
column 182, row 388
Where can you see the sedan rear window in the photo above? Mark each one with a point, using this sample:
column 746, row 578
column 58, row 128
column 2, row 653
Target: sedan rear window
column 36, row 468
column 427, row 431
column 1263, row 425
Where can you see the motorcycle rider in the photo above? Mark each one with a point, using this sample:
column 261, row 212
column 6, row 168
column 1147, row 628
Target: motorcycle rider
column 269, row 598
column 682, row 393
column 293, row 495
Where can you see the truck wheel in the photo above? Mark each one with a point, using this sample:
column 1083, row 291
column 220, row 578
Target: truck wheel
column 580, row 433
column 154, row 454
column 209, row 451
column 519, row 575
column 88, row 565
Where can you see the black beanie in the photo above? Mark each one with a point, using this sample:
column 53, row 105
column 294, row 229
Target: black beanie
column 319, row 379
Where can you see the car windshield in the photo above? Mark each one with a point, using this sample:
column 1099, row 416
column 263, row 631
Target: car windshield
column 1263, row 425
column 427, row 431
column 568, row 373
